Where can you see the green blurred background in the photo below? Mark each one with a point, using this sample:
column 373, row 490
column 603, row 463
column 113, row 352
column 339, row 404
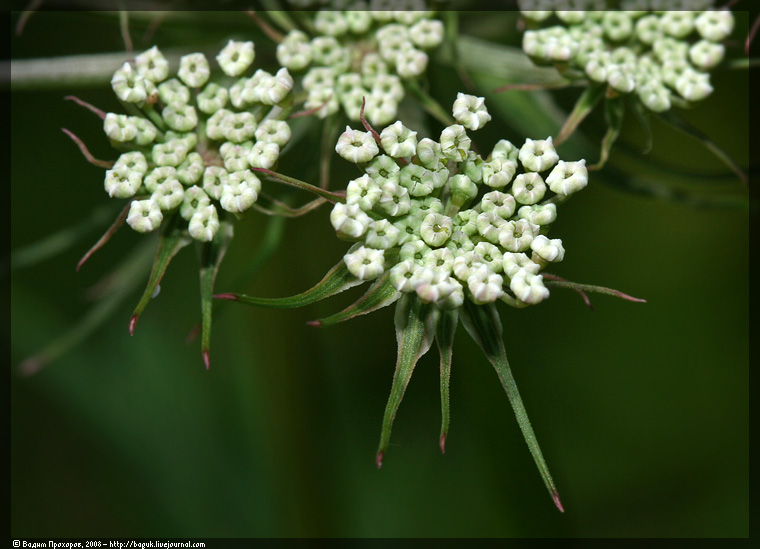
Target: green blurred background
column 641, row 409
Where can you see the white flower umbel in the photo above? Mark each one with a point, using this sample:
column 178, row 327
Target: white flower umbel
column 445, row 233
column 627, row 49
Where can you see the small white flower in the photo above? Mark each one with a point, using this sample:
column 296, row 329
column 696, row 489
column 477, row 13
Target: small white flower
column 544, row 214
column 466, row 264
column 470, row 111
column 528, row 188
column 441, row 260
column 173, row 91
column 437, row 288
column 214, row 180
column 133, row 161
column 398, row 140
column 216, row 123
column 170, row 153
column 356, row 146
column 349, row 221
column 528, row 287
column 498, row 172
column 678, row 24
column 485, row 285
column 429, row 152
column 455, row 143
column 240, row 192
column 294, row 52
column 693, row 85
column 212, row 98
column 568, row 177
column 359, row 21
column 513, row 262
column 539, row 155
column 159, row 175
column 152, row 65
column 427, row 33
column 380, row 108
column 418, row 180
column 129, row 85
column 236, row 57
column 404, row 275
column 411, row 62
column 332, row 23
column 204, row 224
column 144, row 216
column 119, row 127
column 365, row 263
column 381, row 235
column 715, row 25
column 489, row 226
column 655, row 96
column 191, row 170
column 621, row 77
column 706, row 55
column 324, row 99
column 363, row 191
column 436, row 229
column 502, row 204
column 121, row 182
column 169, row 194
column 414, row 250
column 547, row 250
column 194, row 70
column 516, row 236
column 617, row 25
column 489, row 255
column 466, row 222
column 239, row 127
column 180, row 117
column 395, row 199
column 194, row 199
column 274, row 89
column 274, row 131
column 235, row 156
column 264, row 155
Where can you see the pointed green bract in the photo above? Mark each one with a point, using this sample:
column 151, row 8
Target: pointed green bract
column 415, row 330
column 444, row 336
column 682, row 125
column 614, row 112
column 173, row 239
column 338, row 278
column 590, row 288
column 379, row 295
column 483, row 324
column 211, row 256
column 585, row 104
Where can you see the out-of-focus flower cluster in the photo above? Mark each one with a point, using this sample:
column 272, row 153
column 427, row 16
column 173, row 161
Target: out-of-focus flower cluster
column 660, row 54
column 361, row 53
column 448, row 224
column 189, row 143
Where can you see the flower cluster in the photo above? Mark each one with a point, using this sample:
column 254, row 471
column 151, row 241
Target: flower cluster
column 660, row 54
column 361, row 54
column 189, row 143
column 448, row 224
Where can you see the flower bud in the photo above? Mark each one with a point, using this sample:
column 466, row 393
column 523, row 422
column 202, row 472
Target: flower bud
column 414, row 250
column 212, row 98
column 470, row 111
column 235, row 156
column 264, row 155
column 191, row 170
column 455, row 143
column 119, row 127
column 169, row 153
column 294, row 52
column 133, row 161
column 547, row 250
column 129, row 85
column 427, row 33
column 528, row 287
column 363, row 191
column 485, row 286
column 180, row 117
column 516, row 236
column 539, row 155
column 411, row 63
column 543, row 214
column 394, row 201
column 404, row 274
column 349, row 221
column 152, row 65
column 159, row 175
column 706, row 55
column 214, row 180
column 194, row 199
column 528, row 188
column 399, row 141
column 715, row 25
column 502, row 204
column 489, row 255
column 240, row 192
column 489, row 226
column 381, row 235
column 429, row 153
column 169, row 194
column 514, row 262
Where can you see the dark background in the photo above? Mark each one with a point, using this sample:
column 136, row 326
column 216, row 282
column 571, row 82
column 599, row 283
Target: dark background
column 641, row 409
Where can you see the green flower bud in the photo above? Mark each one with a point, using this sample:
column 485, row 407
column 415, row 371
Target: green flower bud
column 489, row 226
column 693, row 85
column 349, row 221
column 383, row 168
column 273, row 131
column 715, row 25
column 466, row 264
column 485, row 286
column 617, row 25
column 399, row 141
column 490, row 256
column 180, row 117
column 705, row 54
column 240, row 192
column 214, row 180
column 528, row 287
column 329, row 22
column 513, row 262
column 470, row 111
column 498, row 172
column 191, row 170
column 516, row 236
column 239, row 127
column 539, row 155
column 394, row 201
column 294, row 52
column 130, row 86
column 264, row 155
column 543, row 214
column 119, row 127
column 414, row 250
column 235, row 156
column 455, row 143
column 173, row 91
column 404, row 275
column 170, row 153
column 678, row 24
column 568, row 177
column 545, row 250
column 381, row 235
column 411, row 63
column 462, row 190
column 528, row 188
column 502, row 204
column 427, row 33
column 133, row 161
